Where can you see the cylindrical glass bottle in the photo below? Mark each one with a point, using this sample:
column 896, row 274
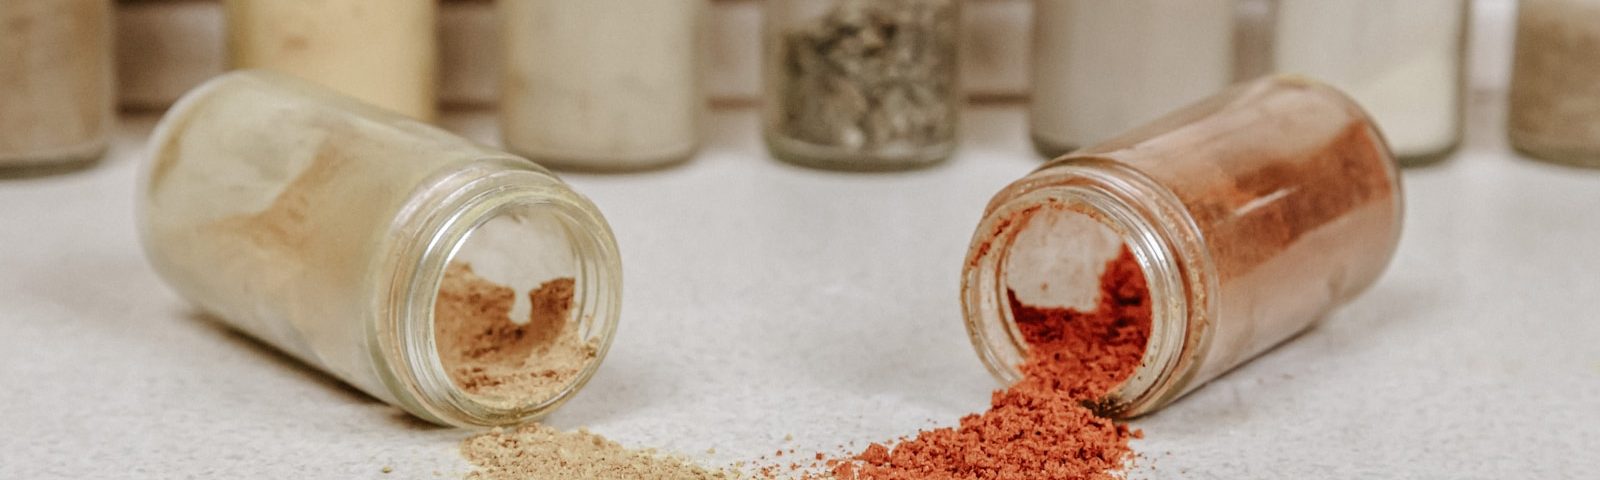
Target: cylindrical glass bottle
column 1101, row 67
column 602, row 84
column 1403, row 60
column 55, row 82
column 383, row 52
column 342, row 233
column 861, row 84
column 1252, row 214
column 1555, row 81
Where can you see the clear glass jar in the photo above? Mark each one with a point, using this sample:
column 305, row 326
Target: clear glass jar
column 602, row 84
column 1252, row 214
column 1403, row 60
column 324, row 227
column 55, row 82
column 1102, row 67
column 384, row 52
column 1555, row 81
column 861, row 84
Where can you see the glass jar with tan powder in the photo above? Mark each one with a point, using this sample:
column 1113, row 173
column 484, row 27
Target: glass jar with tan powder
column 1555, row 82
column 1250, row 214
column 602, row 84
column 465, row 285
column 384, row 52
column 55, row 82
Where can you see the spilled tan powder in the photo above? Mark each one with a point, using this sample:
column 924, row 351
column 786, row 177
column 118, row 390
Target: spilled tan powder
column 537, row 452
column 486, row 353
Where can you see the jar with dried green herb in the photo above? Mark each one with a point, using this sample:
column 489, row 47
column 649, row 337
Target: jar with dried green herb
column 861, row 84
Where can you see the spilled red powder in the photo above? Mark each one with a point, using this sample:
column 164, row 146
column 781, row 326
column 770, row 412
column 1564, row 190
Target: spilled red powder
column 1038, row 428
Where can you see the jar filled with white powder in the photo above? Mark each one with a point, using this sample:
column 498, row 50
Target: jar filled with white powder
column 1102, row 67
column 1402, row 60
column 55, row 82
column 602, row 84
column 1555, row 82
column 383, row 52
column 465, row 285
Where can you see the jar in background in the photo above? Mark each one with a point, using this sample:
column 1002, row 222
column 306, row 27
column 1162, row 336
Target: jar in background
column 330, row 229
column 1102, row 67
column 602, row 84
column 1252, row 214
column 1555, row 81
column 55, row 82
column 1403, row 60
column 383, row 52
column 861, row 84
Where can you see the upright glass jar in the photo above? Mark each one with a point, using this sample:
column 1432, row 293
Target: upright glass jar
column 1102, row 67
column 861, row 84
column 55, row 82
column 1252, row 214
column 602, row 84
column 327, row 228
column 1555, row 81
column 1404, row 60
column 384, row 52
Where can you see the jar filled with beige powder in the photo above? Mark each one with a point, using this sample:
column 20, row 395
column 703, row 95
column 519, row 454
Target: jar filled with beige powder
column 384, row 52
column 55, row 82
column 1250, row 215
column 465, row 285
column 1555, row 82
column 602, row 84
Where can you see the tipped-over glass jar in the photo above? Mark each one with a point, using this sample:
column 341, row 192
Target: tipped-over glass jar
column 55, row 82
column 861, row 84
column 1251, row 214
column 465, row 285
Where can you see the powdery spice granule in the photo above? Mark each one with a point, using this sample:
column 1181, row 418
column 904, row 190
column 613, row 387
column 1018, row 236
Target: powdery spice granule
column 538, row 452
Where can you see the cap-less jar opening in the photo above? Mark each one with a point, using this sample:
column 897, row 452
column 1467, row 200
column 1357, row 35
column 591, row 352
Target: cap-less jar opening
column 513, row 304
column 1045, row 244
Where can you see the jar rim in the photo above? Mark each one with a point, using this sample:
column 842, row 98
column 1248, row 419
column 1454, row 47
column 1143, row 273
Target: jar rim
column 452, row 207
column 1165, row 243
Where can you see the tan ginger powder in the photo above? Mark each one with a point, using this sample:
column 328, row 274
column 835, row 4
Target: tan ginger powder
column 486, row 353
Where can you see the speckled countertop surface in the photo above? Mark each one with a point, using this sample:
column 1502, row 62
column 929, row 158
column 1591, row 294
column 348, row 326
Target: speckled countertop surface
column 766, row 301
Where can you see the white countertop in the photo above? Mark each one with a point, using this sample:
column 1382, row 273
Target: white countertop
column 765, row 300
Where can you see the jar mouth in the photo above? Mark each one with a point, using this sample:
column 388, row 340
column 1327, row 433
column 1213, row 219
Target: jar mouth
column 511, row 305
column 1044, row 243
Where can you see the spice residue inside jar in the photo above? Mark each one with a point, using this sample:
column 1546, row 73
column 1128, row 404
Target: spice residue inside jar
column 1039, row 427
column 487, row 353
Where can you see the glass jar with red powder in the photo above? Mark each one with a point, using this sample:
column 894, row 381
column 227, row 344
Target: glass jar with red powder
column 1249, row 216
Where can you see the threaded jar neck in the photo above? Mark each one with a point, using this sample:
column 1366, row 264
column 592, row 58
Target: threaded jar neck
column 1045, row 239
column 537, row 229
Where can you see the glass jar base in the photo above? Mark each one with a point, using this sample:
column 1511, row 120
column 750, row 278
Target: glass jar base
column 1427, row 158
column 835, row 158
column 51, row 162
column 598, row 164
column 1572, row 157
column 1050, row 149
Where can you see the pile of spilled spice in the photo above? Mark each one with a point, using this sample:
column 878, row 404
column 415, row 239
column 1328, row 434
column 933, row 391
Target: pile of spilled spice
column 487, row 353
column 538, row 452
column 1038, row 428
